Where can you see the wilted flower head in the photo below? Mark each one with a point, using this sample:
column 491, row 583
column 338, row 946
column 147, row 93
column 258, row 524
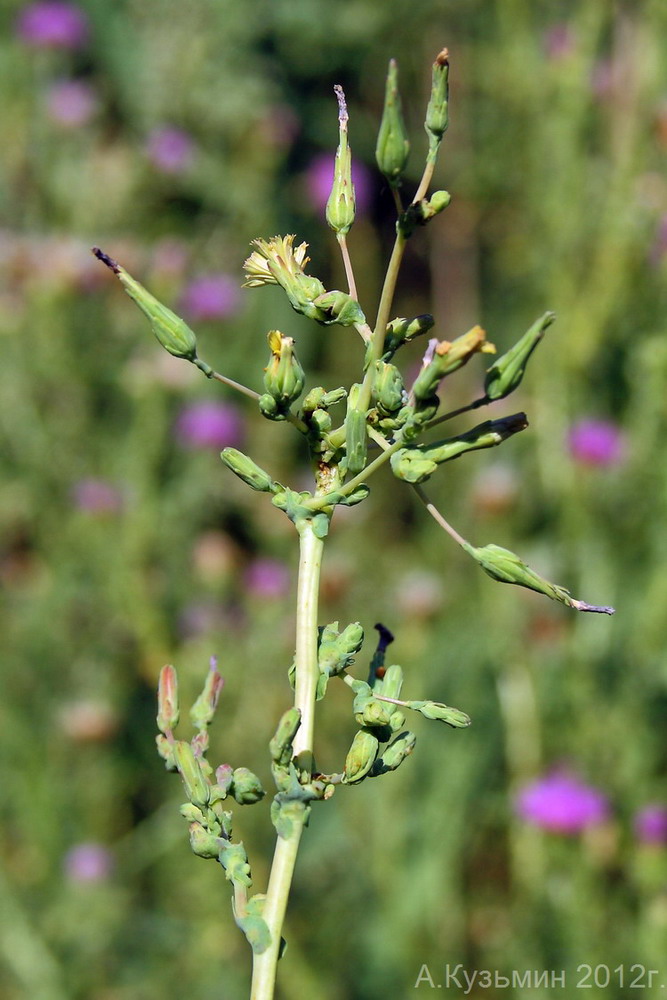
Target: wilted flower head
column 562, row 803
column 319, row 179
column 97, row 496
column 272, row 258
column 170, row 149
column 651, row 824
column 267, row 578
column 210, row 424
column 212, row 296
column 88, row 862
column 71, row 103
column 596, row 442
column 52, row 24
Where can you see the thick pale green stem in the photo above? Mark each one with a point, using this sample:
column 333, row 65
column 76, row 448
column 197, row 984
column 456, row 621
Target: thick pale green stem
column 284, row 858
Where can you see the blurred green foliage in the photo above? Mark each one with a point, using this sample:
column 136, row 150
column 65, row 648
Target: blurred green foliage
column 556, row 161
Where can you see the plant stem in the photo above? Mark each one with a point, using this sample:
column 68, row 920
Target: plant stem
column 349, row 273
column 284, row 858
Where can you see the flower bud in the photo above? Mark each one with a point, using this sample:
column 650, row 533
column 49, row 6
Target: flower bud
column 280, row 746
column 441, row 713
column 506, row 373
column 283, row 376
column 448, row 357
column 437, row 117
column 394, row 755
column 248, row 471
column 402, row 331
column 341, row 206
column 234, row 860
column 416, row 463
column 171, row 331
column 361, row 756
column 355, row 433
column 339, row 307
column 203, row 710
column 196, row 786
column 203, row 843
column 393, row 148
column 246, row 787
column 391, row 683
column 389, row 393
column 167, row 700
column 373, row 713
column 165, row 748
column 191, row 813
column 506, row 567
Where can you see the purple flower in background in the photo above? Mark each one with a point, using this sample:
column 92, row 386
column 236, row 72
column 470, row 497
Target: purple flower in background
column 170, row 149
column 561, row 803
column 52, row 24
column 267, row 578
column 596, row 442
column 559, row 41
column 651, row 824
column 97, row 496
column 212, row 296
column 659, row 247
column 71, row 103
column 88, row 862
column 210, row 424
column 319, row 178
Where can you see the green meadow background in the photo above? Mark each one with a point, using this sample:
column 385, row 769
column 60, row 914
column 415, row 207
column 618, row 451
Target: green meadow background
column 556, row 160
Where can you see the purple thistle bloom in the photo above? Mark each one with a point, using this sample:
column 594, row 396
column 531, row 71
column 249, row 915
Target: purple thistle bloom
column 97, row 496
column 561, row 803
column 210, row 424
column 170, row 150
column 53, row 24
column 212, row 296
column 267, row 578
column 596, row 442
column 319, row 179
column 651, row 824
column 559, row 41
column 71, row 103
column 88, row 862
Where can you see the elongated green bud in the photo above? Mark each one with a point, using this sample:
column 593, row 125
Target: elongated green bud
column 393, row 148
column 355, row 433
column 196, row 786
column 448, row 356
column 248, row 471
column 361, row 756
column 391, row 683
column 437, row 115
column 246, row 787
column 506, row 567
column 280, row 746
column 389, row 393
column 340, row 206
column 416, row 463
column 171, row 331
column 167, row 700
column 506, row 373
column 203, row 710
column 283, row 376
column 394, row 755
column 441, row 713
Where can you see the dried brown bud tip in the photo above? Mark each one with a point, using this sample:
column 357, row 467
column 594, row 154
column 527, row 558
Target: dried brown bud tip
column 106, row 259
